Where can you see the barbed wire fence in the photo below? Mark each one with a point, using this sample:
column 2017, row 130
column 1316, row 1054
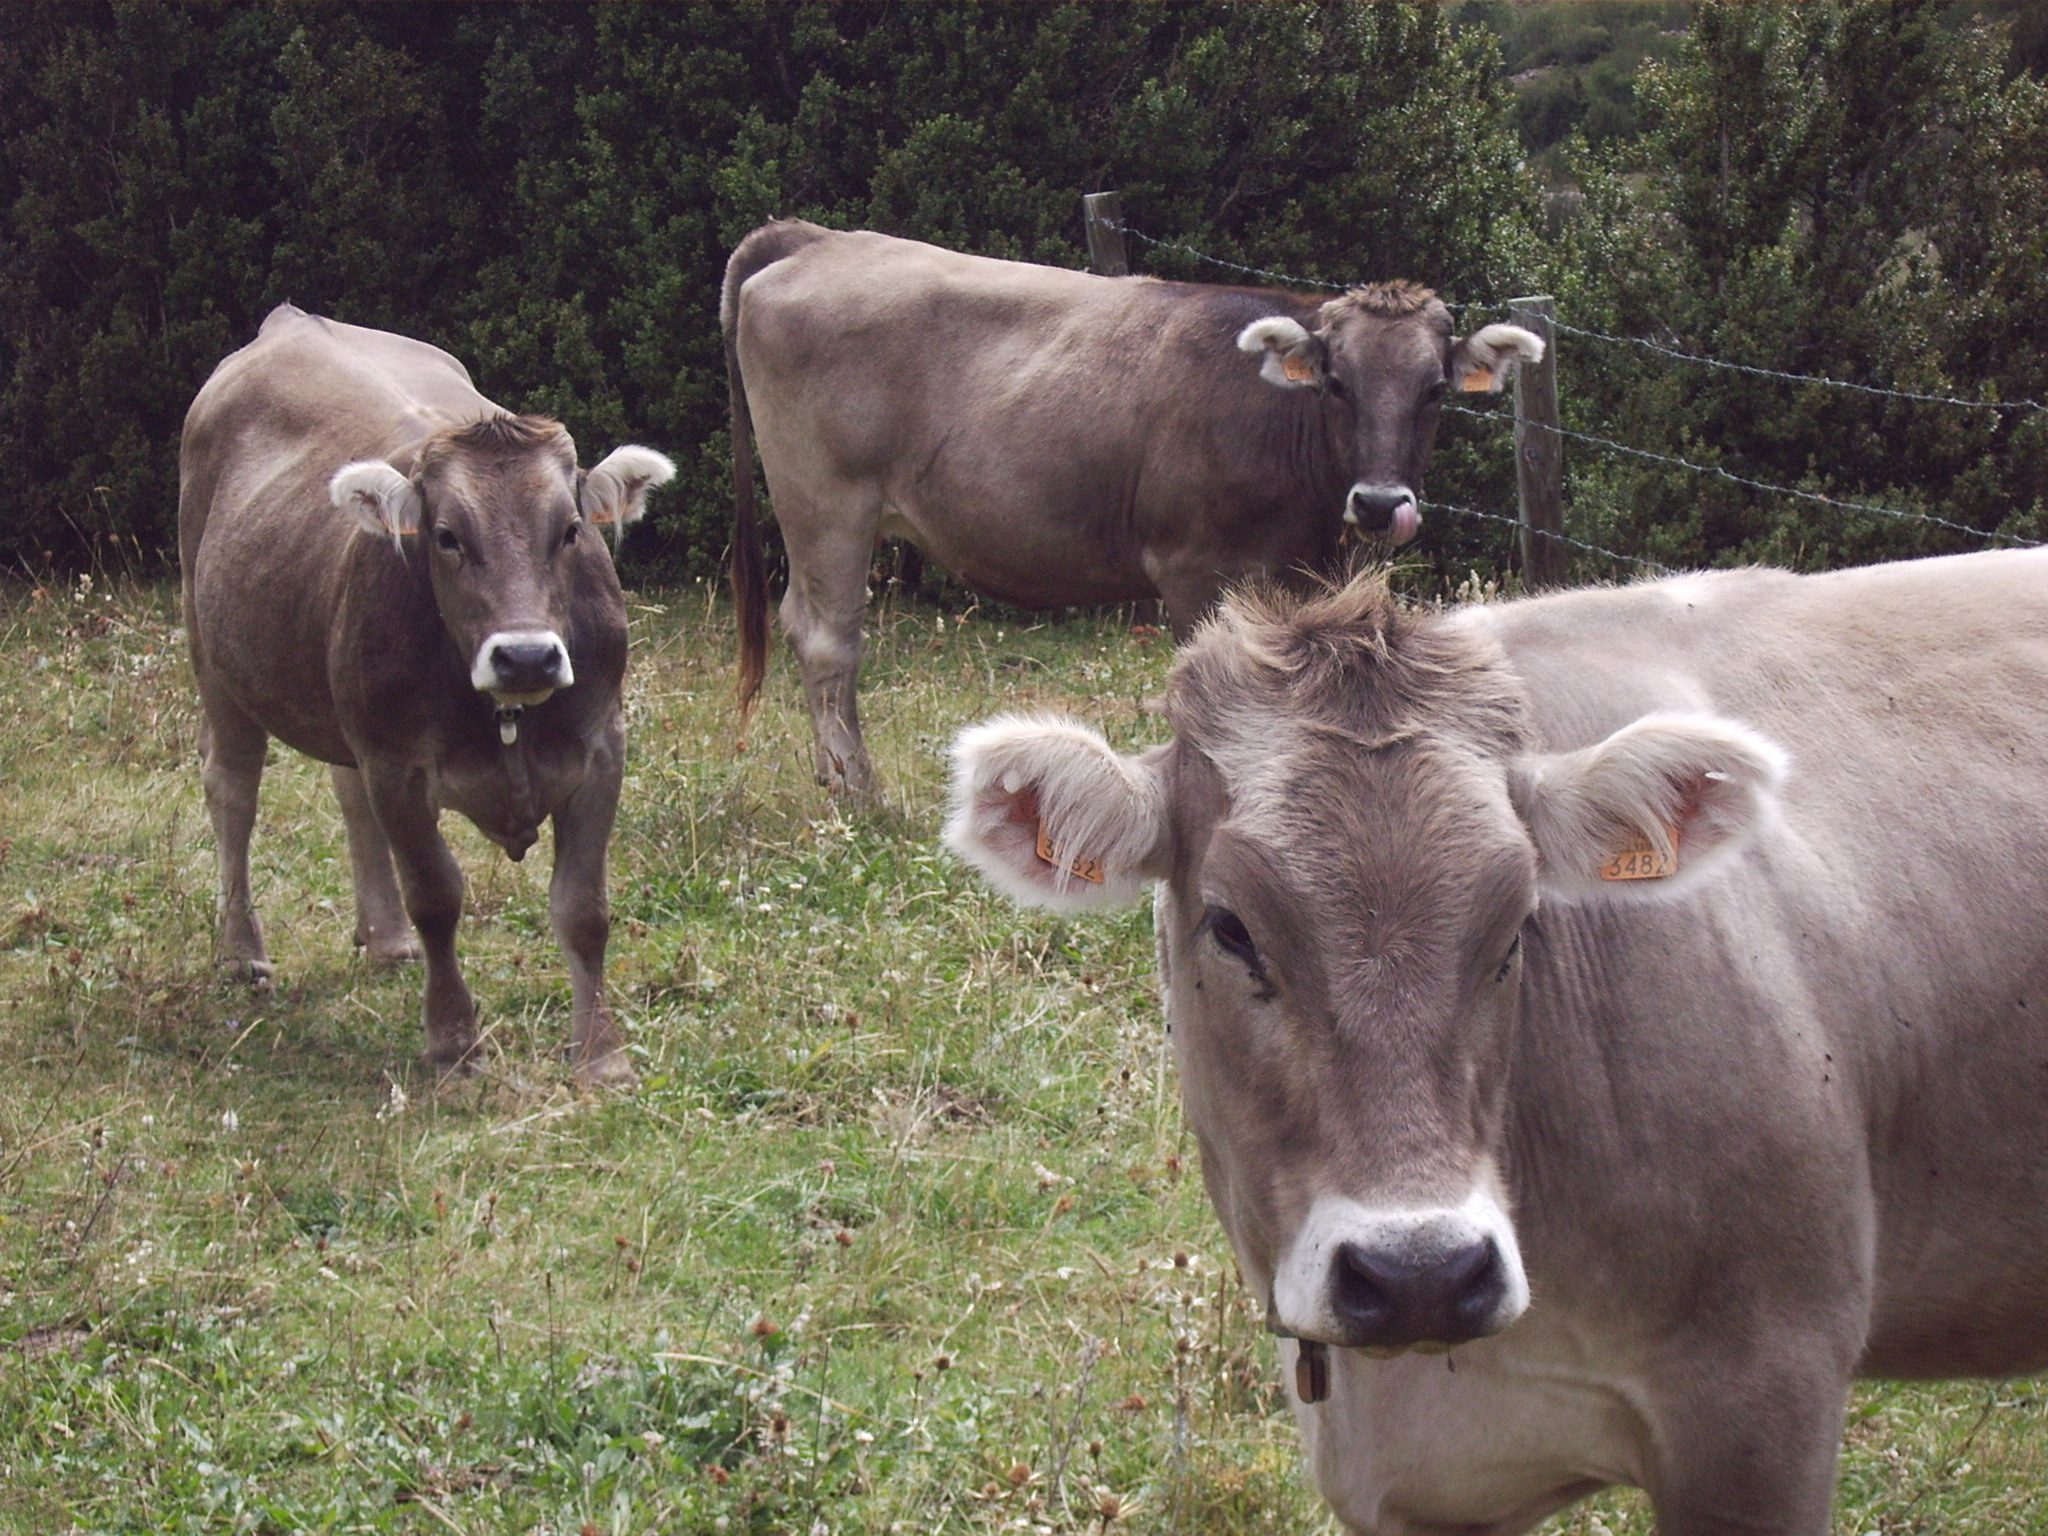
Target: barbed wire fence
column 1107, row 229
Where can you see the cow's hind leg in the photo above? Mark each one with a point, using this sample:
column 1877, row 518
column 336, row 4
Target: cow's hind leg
column 231, row 748
column 383, row 931
column 821, row 614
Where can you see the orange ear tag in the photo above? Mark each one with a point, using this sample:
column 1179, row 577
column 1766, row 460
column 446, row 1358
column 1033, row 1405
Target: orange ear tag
column 1640, row 859
column 1081, row 869
column 1478, row 382
column 1297, row 368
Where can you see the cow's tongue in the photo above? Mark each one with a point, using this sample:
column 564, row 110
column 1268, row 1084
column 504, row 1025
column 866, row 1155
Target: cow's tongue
column 1406, row 523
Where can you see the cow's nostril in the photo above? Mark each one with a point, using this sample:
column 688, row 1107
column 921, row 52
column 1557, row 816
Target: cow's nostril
column 1475, row 1283
column 1359, row 1292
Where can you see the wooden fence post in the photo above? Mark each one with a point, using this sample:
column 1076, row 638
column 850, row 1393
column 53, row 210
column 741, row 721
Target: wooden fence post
column 1103, row 215
column 1539, row 451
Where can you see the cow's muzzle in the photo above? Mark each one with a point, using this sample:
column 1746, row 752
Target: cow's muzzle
column 1387, row 1280
column 521, row 666
column 1393, row 1300
column 1387, row 510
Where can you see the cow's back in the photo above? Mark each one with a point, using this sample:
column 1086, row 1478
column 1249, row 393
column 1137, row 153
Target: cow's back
column 1038, row 431
column 940, row 344
column 265, row 554
column 1847, row 1032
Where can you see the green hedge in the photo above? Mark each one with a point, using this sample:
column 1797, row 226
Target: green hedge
column 1850, row 188
column 550, row 192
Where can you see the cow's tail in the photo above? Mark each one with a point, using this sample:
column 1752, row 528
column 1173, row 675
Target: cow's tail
column 763, row 248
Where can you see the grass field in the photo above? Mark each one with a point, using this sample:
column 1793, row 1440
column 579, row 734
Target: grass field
column 901, row 1233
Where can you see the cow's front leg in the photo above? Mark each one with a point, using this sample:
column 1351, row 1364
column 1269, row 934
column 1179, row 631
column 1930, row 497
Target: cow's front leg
column 580, row 911
column 1752, row 1451
column 432, row 885
column 382, row 931
column 1189, row 590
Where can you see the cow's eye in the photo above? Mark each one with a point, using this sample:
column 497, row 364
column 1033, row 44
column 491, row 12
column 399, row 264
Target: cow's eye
column 444, row 538
column 1334, row 386
column 1434, row 394
column 1233, row 936
column 570, row 537
column 1507, row 965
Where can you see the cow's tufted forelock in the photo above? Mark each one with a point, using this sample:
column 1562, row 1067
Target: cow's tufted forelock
column 496, row 436
column 1350, row 661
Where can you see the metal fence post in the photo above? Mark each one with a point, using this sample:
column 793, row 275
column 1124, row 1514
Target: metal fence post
column 1539, row 450
column 1103, row 215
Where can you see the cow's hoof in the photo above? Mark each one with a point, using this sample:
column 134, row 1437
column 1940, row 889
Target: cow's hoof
column 386, row 950
column 256, row 973
column 455, row 1061
column 610, row 1073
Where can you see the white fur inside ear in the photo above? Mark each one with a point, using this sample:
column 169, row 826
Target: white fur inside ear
column 381, row 499
column 1279, row 338
column 1098, row 809
column 1494, row 350
column 1710, row 781
column 616, row 491
column 1275, row 333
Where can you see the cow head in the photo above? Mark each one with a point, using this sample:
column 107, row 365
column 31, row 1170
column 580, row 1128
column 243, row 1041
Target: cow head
column 1381, row 357
column 507, row 521
column 1350, row 834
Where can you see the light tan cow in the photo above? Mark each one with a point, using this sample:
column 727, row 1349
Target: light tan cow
column 391, row 574
column 1053, row 437
column 1640, row 994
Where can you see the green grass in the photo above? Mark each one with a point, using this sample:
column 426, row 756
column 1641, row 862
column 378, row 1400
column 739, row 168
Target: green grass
column 902, row 1231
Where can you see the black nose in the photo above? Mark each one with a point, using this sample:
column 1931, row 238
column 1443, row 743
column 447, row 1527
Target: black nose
column 1395, row 1299
column 527, row 664
column 1373, row 510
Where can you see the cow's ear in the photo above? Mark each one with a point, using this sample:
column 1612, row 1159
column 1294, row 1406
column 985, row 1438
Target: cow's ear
column 381, row 499
column 1484, row 361
column 1054, row 817
column 1652, row 810
column 615, row 492
column 1294, row 357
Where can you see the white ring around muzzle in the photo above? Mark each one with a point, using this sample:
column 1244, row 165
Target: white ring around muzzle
column 483, row 675
column 1302, row 1303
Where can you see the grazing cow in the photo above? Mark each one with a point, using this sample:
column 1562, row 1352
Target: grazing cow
column 1054, row 438
column 391, row 574
column 1642, row 993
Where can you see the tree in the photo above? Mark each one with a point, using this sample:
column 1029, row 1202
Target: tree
column 1832, row 189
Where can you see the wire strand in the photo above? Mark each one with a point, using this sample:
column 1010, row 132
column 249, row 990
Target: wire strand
column 1643, row 342
column 1797, row 378
column 1643, row 453
column 1218, row 261
column 1283, row 278
column 1760, row 485
column 1561, row 538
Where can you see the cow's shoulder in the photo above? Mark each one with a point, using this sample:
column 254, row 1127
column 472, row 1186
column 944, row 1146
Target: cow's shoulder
column 308, row 383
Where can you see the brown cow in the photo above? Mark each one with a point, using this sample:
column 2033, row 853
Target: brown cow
column 391, row 574
column 1053, row 437
column 1525, row 1002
